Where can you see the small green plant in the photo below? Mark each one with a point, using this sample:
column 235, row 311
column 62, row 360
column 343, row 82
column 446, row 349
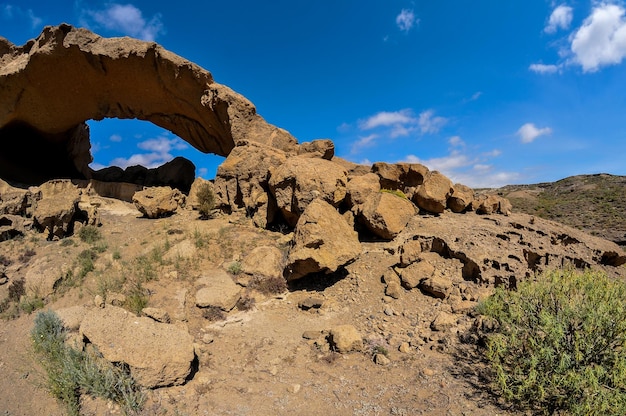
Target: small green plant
column 206, row 200
column 136, row 298
column 116, row 255
column 71, row 373
column 17, row 289
column 560, row 344
column 234, row 268
column 85, row 261
column 66, row 242
column 89, row 234
column 395, row 192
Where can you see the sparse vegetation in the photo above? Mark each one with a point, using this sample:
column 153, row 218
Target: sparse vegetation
column 26, row 255
column 234, row 268
column 71, row 373
column 395, row 192
column 269, row 285
column 206, row 200
column 89, row 234
column 560, row 344
column 213, row 313
column 245, row 303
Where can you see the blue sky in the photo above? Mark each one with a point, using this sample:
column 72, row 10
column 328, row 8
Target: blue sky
column 487, row 92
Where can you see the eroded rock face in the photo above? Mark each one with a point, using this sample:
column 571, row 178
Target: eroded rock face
column 323, row 242
column 157, row 354
column 300, row 180
column 53, row 84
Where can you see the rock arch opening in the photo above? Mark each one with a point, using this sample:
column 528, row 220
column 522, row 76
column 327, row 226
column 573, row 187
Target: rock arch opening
column 53, row 84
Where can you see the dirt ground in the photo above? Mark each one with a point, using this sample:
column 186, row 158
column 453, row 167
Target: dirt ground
column 272, row 359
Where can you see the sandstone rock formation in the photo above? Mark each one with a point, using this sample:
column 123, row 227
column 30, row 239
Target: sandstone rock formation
column 159, row 201
column 53, row 84
column 157, row 354
column 386, row 214
column 323, row 241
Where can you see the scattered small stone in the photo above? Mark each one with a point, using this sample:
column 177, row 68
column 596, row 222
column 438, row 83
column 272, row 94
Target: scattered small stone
column 405, row 348
column 311, row 334
column 381, row 359
column 295, row 388
column 157, row 314
column 98, row 301
column 389, row 311
column 346, row 338
column 443, row 321
column 428, row 372
column 310, row 303
column 207, row 339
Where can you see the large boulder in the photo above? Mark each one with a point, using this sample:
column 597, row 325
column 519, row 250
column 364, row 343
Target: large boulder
column 403, row 176
column 432, row 195
column 323, row 241
column 157, row 354
column 242, row 180
column 360, row 188
column 215, row 288
column 300, row 180
column 264, row 261
column 54, row 83
column 386, row 214
column 461, row 198
column 56, row 208
column 322, row 148
column 158, row 201
column 15, row 201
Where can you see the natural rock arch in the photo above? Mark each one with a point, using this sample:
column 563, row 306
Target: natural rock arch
column 52, row 84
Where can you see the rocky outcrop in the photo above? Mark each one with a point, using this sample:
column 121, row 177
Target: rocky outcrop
column 323, row 241
column 386, row 214
column 242, row 180
column 217, row 289
column 157, row 354
column 300, row 180
column 54, row 83
column 178, row 173
column 158, row 202
column 432, row 195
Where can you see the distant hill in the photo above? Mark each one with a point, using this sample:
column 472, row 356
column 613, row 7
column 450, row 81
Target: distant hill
column 593, row 203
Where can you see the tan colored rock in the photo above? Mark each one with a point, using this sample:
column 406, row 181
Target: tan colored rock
column 402, row 176
column 66, row 76
column 72, row 316
column 192, row 199
column 393, row 282
column 55, row 211
column 415, row 273
column 217, row 289
column 461, row 198
column 158, row 314
column 15, row 201
column 360, row 189
column 386, row 214
column 492, row 204
column 157, row 354
column 322, row 148
column 322, row 242
column 242, row 180
column 264, row 261
column 158, row 201
column 12, row 226
column 438, row 286
column 300, row 180
column 345, row 338
column 118, row 190
column 443, row 321
column 432, row 195
column 410, row 252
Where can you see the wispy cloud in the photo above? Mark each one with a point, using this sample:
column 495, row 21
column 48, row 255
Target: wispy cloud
column 429, row 123
column 115, row 138
column 125, row 19
column 529, row 132
column 363, row 142
column 406, row 20
column 544, row 69
column 158, row 152
column 601, row 40
column 471, row 170
column 10, row 12
column 386, row 118
column 561, row 18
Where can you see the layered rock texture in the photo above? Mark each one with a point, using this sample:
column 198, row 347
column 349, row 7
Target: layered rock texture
column 53, row 84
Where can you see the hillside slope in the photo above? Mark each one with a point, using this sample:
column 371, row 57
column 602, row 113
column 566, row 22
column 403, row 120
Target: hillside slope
column 592, row 203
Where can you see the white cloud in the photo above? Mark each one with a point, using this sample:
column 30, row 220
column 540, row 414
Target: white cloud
column 561, row 18
column 430, row 124
column 529, row 132
column 456, row 141
column 115, row 138
column 363, row 142
column 126, row 19
column 406, row 20
column 601, row 40
column 158, row 153
column 10, row 11
column 202, row 172
column 544, row 69
column 385, row 118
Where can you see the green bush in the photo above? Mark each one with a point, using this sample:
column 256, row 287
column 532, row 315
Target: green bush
column 206, row 200
column 71, row 373
column 559, row 344
column 89, row 234
column 395, row 192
